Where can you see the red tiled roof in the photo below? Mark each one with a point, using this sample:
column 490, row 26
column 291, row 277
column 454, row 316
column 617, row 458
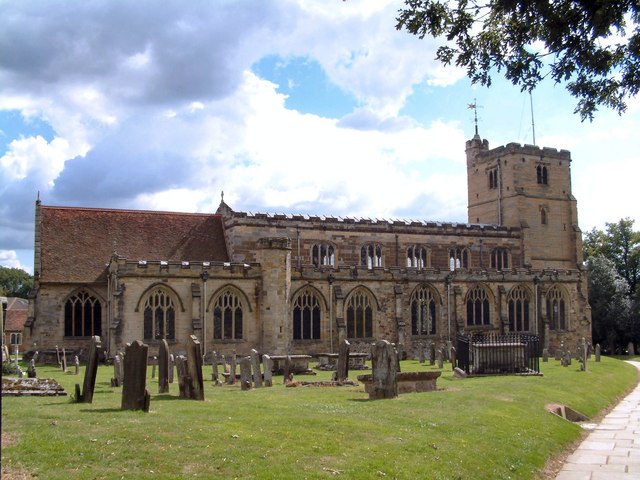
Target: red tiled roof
column 77, row 243
column 16, row 314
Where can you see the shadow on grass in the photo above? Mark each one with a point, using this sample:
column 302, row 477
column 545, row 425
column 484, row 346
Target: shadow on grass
column 102, row 410
column 164, row 397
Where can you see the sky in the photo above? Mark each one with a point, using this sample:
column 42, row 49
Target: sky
column 287, row 106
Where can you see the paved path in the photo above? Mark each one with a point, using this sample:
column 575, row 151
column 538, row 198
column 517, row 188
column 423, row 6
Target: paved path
column 612, row 449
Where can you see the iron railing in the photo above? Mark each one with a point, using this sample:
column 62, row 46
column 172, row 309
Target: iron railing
column 491, row 354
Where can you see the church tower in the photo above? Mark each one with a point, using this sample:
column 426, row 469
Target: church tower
column 526, row 187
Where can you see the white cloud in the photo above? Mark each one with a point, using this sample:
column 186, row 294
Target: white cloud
column 9, row 258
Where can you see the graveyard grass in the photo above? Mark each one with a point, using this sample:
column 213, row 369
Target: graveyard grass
column 474, row 428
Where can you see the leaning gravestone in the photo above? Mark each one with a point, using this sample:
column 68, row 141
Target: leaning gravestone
column 384, row 364
column 342, row 369
column 185, row 383
column 135, row 395
column 255, row 366
column 268, row 370
column 163, row 367
column 245, row 373
column 194, row 366
column 86, row 396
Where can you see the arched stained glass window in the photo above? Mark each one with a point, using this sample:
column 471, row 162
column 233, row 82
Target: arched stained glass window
column 227, row 316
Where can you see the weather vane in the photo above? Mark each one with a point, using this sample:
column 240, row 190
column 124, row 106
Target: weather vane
column 475, row 107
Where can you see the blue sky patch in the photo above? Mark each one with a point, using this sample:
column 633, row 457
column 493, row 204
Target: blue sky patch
column 307, row 86
column 13, row 125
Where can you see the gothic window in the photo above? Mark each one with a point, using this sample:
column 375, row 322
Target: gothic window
column 519, row 303
column 423, row 312
column 478, row 307
column 500, row 258
column 556, row 309
column 359, row 315
column 543, row 216
column 493, row 178
column 306, row 316
column 417, row 257
column 322, row 254
column 371, row 255
column 227, row 316
column 82, row 316
column 159, row 315
column 542, row 175
column 458, row 258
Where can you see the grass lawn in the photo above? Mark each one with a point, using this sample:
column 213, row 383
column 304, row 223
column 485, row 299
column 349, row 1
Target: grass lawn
column 475, row 428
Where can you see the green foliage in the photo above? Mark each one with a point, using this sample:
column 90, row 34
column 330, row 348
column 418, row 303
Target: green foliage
column 9, row 368
column 587, row 45
column 475, row 428
column 15, row 282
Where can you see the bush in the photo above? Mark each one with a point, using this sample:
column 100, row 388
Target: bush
column 9, row 368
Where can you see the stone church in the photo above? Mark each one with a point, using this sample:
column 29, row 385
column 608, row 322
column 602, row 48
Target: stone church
column 299, row 284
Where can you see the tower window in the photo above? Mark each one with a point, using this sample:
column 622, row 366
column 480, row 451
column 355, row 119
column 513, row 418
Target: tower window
column 543, row 216
column 493, row 178
column 542, row 175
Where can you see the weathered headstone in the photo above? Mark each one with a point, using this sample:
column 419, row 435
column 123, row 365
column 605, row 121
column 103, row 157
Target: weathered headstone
column 154, row 364
column 86, row 396
column 584, row 355
column 231, row 379
column 172, row 364
column 384, row 364
column 215, row 374
column 245, row 373
column 117, row 379
column 287, row 369
column 64, row 362
column 194, row 365
column 439, row 356
column 453, row 357
column 432, row 353
column 598, row 352
column 342, row 369
column 163, row 367
column 268, row 370
column 421, row 356
column 58, row 356
column 255, row 367
column 31, row 371
column 545, row 354
column 76, row 364
column 135, row 395
column 184, row 381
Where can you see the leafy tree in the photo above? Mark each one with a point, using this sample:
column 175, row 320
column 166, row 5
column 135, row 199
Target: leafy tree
column 583, row 43
column 610, row 304
column 15, row 282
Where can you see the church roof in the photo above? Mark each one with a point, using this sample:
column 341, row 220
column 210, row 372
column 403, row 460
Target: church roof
column 78, row 243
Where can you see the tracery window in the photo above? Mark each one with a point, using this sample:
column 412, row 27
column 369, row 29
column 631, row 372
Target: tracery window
column 359, row 315
column 458, row 258
column 82, row 315
column 371, row 255
column 306, row 316
column 323, row 254
column 542, row 175
column 519, row 303
column 556, row 309
column 417, row 257
column 227, row 316
column 423, row 312
column 478, row 312
column 500, row 258
column 159, row 315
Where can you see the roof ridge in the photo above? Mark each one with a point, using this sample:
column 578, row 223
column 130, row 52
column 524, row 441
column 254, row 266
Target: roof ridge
column 128, row 210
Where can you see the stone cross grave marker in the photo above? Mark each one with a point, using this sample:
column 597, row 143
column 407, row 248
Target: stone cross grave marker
column 194, row 365
column 135, row 395
column 163, row 367
column 245, row 373
column 255, row 366
column 342, row 368
column 268, row 370
column 86, row 396
column 384, row 365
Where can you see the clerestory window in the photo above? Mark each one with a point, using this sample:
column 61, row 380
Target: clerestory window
column 500, row 258
column 371, row 255
column 323, row 254
column 417, row 257
column 458, row 258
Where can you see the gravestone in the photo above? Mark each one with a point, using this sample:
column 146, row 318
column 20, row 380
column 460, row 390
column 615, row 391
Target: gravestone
column 453, row 357
column 64, row 362
column 439, row 358
column 597, row 352
column 584, row 352
column 215, row 374
column 58, row 356
column 342, row 369
column 287, row 370
column 184, row 380
column 421, row 355
column 255, row 367
column 163, row 367
column 231, row 379
column 545, row 354
column 268, row 370
column 245, row 373
column 384, row 363
column 116, row 381
column 172, row 364
column 432, row 353
column 154, row 364
column 76, row 363
column 135, row 395
column 31, row 371
column 194, row 365
column 86, row 396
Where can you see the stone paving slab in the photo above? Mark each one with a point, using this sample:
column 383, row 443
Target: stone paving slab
column 612, row 449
